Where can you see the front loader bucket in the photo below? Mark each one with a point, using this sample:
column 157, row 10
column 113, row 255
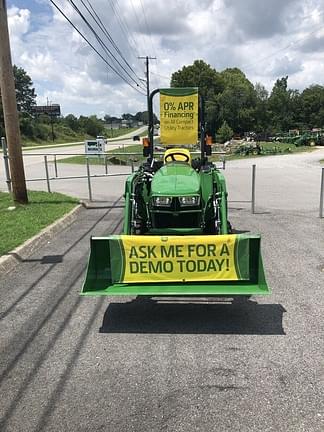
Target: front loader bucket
column 175, row 265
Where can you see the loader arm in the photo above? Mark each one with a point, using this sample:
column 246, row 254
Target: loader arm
column 176, row 237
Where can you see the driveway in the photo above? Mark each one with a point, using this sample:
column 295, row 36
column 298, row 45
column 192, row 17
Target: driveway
column 125, row 364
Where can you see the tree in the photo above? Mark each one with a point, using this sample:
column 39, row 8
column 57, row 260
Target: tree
column 229, row 96
column 282, row 105
column 72, row 122
column 237, row 101
column 311, row 107
column 25, row 93
column 111, row 119
column 91, row 125
column 210, row 84
column 26, row 99
column 127, row 116
column 261, row 92
column 201, row 75
column 224, row 133
column 142, row 116
column 261, row 114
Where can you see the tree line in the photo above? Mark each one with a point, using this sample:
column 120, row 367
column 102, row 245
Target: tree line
column 232, row 101
column 34, row 128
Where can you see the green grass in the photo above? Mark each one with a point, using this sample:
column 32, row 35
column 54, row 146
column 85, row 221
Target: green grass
column 143, row 133
column 268, row 148
column 118, row 132
column 62, row 138
column 285, row 147
column 136, row 148
column 25, row 221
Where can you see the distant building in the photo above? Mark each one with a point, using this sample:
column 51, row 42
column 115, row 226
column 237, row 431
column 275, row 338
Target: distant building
column 123, row 124
column 113, row 125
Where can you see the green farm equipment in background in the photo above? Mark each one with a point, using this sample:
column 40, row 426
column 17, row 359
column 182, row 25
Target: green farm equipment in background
column 302, row 137
column 176, row 237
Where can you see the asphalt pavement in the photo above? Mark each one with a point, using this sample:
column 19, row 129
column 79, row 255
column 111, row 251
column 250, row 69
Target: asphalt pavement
column 70, row 363
column 289, row 181
column 34, row 156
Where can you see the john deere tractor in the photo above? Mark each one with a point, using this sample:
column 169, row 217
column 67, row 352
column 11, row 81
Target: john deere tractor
column 176, row 237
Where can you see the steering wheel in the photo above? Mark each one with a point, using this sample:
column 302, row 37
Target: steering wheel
column 172, row 157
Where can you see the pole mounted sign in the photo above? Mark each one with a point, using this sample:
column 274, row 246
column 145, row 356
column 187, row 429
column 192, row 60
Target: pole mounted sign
column 53, row 110
column 94, row 148
column 179, row 115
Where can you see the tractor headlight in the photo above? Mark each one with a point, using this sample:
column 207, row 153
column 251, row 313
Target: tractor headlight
column 189, row 201
column 162, row 201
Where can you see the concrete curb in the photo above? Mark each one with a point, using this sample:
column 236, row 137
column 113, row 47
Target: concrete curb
column 12, row 258
column 101, row 205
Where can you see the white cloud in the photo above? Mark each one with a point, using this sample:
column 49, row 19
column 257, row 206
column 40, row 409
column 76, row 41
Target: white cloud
column 266, row 39
column 19, row 21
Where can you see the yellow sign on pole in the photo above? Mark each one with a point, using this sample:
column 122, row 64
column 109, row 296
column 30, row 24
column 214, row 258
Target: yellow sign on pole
column 179, row 116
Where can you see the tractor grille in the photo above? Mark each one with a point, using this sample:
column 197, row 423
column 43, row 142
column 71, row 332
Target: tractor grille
column 180, row 220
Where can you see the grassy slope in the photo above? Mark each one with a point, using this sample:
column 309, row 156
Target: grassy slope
column 137, row 148
column 268, row 147
column 73, row 137
column 59, row 140
column 25, row 221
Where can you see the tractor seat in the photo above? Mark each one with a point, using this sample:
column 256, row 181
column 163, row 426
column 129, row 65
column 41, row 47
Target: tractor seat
column 177, row 155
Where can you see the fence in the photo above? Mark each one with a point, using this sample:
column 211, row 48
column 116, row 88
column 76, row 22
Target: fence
column 130, row 161
column 130, row 158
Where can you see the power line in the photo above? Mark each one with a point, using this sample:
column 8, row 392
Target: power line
column 291, row 44
column 151, row 40
column 100, row 42
column 108, row 35
column 161, row 76
column 103, row 45
column 124, row 27
column 97, row 52
column 139, row 24
column 147, row 27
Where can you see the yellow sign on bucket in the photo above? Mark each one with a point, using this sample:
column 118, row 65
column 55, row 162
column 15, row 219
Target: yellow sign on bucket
column 177, row 259
column 179, row 116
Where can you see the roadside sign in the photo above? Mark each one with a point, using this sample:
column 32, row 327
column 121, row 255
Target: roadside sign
column 53, row 110
column 94, row 148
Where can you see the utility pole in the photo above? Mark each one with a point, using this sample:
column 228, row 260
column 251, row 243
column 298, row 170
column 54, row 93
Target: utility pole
column 9, row 103
column 147, row 73
column 50, row 115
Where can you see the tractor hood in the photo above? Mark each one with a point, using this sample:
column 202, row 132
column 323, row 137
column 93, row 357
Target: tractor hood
column 176, row 179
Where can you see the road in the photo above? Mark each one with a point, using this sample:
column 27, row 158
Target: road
column 95, row 364
column 297, row 174
column 34, row 156
column 35, row 167
column 287, row 181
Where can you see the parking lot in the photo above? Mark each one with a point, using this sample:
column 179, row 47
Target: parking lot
column 130, row 364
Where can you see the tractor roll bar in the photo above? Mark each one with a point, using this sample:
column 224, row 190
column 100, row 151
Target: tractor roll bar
column 151, row 124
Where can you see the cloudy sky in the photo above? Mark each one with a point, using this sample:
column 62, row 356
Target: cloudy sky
column 265, row 39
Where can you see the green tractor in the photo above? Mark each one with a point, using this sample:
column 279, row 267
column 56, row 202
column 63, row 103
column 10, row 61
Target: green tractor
column 176, row 238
